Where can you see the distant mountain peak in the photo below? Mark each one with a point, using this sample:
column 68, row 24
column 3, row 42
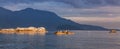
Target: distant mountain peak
column 38, row 18
column 28, row 9
column 34, row 10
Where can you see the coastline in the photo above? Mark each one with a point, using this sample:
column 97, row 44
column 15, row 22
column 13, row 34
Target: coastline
column 23, row 30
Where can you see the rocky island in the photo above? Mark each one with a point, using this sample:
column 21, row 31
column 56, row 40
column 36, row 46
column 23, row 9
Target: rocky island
column 65, row 32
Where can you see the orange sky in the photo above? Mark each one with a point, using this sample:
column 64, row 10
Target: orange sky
column 112, row 23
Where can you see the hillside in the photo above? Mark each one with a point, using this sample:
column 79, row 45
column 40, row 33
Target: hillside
column 37, row 18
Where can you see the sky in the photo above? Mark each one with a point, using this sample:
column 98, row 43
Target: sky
column 104, row 13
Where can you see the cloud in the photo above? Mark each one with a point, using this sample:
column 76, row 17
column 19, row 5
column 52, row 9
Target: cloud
column 75, row 3
column 67, row 7
column 93, row 19
column 108, row 22
column 37, row 5
column 68, row 10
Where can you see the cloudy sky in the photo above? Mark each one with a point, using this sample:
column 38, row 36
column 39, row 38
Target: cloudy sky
column 95, row 12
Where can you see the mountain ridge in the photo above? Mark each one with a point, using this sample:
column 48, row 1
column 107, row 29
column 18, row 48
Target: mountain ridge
column 37, row 18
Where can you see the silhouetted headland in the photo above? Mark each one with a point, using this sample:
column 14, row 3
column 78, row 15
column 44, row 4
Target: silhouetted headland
column 32, row 17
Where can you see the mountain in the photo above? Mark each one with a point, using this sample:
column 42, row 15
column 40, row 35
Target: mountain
column 37, row 18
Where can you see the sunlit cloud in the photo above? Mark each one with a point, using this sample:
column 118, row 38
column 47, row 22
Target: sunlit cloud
column 108, row 22
column 93, row 19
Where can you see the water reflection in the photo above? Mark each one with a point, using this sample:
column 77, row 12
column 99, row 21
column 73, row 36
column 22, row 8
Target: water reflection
column 23, row 33
column 16, row 41
column 80, row 40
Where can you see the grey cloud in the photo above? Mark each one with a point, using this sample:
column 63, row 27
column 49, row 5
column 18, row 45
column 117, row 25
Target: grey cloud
column 74, row 6
column 75, row 3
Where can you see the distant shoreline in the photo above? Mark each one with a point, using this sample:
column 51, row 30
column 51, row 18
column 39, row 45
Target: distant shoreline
column 21, row 29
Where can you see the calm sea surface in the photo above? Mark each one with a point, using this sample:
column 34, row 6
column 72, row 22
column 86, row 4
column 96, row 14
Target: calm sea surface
column 80, row 40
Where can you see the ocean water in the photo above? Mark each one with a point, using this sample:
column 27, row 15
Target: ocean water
column 79, row 40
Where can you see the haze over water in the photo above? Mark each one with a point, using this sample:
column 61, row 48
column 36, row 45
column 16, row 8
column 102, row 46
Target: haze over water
column 80, row 40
